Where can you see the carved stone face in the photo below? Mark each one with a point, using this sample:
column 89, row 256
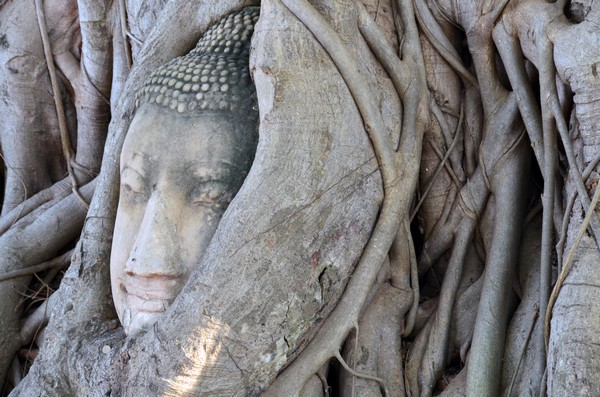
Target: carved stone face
column 178, row 174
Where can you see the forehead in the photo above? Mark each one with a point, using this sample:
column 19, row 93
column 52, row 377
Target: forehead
column 158, row 134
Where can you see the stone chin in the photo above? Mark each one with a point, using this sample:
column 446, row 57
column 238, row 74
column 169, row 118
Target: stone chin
column 135, row 322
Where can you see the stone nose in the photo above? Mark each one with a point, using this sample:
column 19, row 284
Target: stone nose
column 155, row 252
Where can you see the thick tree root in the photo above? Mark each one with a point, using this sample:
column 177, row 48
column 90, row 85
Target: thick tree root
column 339, row 357
column 440, row 42
column 29, row 244
column 58, row 191
column 434, row 359
column 375, row 349
column 568, row 263
column 493, row 313
column 330, row 337
column 60, row 111
column 60, row 261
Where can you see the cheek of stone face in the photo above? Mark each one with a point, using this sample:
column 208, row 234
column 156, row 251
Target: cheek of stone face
column 123, row 236
column 196, row 235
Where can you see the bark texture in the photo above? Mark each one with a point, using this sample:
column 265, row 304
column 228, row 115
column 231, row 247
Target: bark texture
column 267, row 280
column 482, row 284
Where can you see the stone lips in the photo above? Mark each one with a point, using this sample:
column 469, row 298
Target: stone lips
column 213, row 76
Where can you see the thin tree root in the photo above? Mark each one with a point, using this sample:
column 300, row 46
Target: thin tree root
column 36, row 321
column 60, row 111
column 325, row 344
column 567, row 266
column 455, row 158
column 590, row 167
column 440, row 166
column 326, row 387
column 414, row 358
column 439, row 116
column 560, row 246
column 522, row 354
column 448, row 166
column 19, row 177
column 543, row 385
column 31, row 296
column 123, row 20
column 547, row 77
column 341, row 360
column 434, row 359
column 356, row 330
column 133, row 38
column 59, row 261
column 16, row 373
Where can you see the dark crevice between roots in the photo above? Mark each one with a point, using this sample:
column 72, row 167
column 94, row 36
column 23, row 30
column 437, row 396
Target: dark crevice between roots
column 333, row 378
column 416, row 232
column 576, row 11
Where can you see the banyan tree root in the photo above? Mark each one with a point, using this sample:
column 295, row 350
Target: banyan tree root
column 375, row 345
column 345, row 316
column 28, row 243
column 522, row 369
column 375, row 348
column 500, row 110
column 491, row 192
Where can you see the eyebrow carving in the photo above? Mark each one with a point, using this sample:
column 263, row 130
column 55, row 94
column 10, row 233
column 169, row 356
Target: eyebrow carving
column 138, row 161
column 129, row 168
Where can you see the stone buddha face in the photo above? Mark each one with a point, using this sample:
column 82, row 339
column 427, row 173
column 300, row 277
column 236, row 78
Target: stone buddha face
column 178, row 174
column 186, row 154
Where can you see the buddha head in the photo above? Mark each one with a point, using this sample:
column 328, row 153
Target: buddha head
column 189, row 147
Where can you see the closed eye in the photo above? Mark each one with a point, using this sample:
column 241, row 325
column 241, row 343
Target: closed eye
column 133, row 187
column 212, row 197
column 131, row 195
